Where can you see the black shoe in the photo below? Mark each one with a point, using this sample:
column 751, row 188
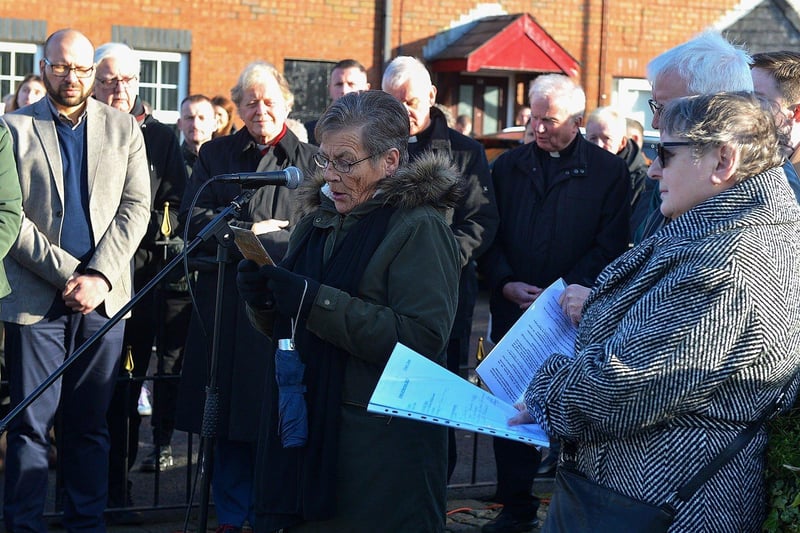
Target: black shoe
column 119, row 515
column 509, row 523
column 124, row 517
column 547, row 468
column 227, row 528
column 161, row 457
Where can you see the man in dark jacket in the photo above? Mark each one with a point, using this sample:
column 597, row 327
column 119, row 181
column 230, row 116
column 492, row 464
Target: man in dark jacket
column 197, row 123
column 263, row 99
column 347, row 76
column 705, row 64
column 117, row 85
column 474, row 220
column 606, row 128
column 564, row 209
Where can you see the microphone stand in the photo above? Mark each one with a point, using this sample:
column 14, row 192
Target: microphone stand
column 208, row 429
column 217, row 229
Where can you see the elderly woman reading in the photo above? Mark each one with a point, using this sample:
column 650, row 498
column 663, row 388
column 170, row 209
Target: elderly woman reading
column 689, row 337
column 372, row 263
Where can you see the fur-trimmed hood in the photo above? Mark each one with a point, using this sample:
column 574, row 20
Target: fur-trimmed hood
column 431, row 179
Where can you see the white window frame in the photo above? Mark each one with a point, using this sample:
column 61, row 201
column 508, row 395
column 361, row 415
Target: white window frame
column 630, row 98
column 167, row 116
column 20, row 48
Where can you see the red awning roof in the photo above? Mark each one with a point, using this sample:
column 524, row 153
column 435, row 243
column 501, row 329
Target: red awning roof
column 506, row 42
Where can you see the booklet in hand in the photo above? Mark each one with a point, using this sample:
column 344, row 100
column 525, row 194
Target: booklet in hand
column 542, row 330
column 413, row 386
column 247, row 242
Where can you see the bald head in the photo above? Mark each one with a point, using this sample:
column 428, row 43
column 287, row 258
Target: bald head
column 72, row 40
column 68, row 70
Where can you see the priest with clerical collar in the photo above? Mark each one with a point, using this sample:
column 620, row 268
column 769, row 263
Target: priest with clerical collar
column 564, row 206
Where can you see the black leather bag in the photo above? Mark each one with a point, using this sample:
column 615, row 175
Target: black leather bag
column 581, row 505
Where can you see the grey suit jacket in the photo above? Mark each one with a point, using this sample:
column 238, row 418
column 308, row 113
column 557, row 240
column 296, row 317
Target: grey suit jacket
column 119, row 208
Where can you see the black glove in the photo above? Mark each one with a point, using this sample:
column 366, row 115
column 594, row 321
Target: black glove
column 287, row 290
column 253, row 286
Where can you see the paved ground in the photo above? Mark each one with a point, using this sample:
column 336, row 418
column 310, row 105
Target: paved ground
column 469, row 502
column 468, row 509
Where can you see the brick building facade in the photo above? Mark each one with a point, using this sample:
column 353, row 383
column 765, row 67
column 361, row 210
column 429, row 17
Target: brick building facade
column 213, row 41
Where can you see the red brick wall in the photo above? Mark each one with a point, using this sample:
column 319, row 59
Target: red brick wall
column 635, row 32
column 228, row 34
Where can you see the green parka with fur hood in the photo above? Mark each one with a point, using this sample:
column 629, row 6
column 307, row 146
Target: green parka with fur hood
column 391, row 471
column 409, row 290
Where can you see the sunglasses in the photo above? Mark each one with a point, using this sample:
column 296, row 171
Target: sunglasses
column 664, row 155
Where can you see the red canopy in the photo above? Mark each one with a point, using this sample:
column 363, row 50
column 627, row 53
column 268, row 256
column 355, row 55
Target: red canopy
column 507, row 42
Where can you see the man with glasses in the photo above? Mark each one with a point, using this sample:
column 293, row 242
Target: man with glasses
column 86, row 198
column 564, row 208
column 117, row 84
column 474, row 219
column 704, row 65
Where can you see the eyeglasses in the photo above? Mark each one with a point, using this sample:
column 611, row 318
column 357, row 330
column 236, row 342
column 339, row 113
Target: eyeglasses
column 113, row 82
column 664, row 155
column 655, row 107
column 338, row 165
column 62, row 71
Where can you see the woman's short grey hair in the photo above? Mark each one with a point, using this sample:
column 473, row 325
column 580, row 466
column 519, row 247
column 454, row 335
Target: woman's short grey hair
column 740, row 119
column 562, row 89
column 381, row 118
column 255, row 73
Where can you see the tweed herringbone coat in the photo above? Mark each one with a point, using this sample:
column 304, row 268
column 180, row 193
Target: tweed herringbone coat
column 684, row 340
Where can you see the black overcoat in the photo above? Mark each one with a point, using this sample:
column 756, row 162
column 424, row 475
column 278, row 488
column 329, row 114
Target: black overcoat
column 570, row 224
column 243, row 351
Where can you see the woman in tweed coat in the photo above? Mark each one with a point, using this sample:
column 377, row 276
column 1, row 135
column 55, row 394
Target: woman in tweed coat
column 687, row 338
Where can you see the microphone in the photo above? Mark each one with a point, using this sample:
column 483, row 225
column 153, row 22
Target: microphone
column 290, row 177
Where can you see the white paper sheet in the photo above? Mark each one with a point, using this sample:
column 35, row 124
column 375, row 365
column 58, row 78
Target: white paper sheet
column 413, row 386
column 542, row 330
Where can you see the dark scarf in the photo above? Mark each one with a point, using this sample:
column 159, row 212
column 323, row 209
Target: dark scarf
column 138, row 110
column 299, row 484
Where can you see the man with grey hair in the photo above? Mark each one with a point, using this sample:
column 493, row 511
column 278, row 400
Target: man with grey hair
column 564, row 207
column 474, row 219
column 703, row 65
column 607, row 128
column 263, row 100
column 117, row 84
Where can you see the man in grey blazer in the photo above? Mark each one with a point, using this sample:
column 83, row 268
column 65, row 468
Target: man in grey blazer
column 86, row 204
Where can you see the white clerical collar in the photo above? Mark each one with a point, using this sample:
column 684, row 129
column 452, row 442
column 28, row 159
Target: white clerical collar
column 412, row 139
